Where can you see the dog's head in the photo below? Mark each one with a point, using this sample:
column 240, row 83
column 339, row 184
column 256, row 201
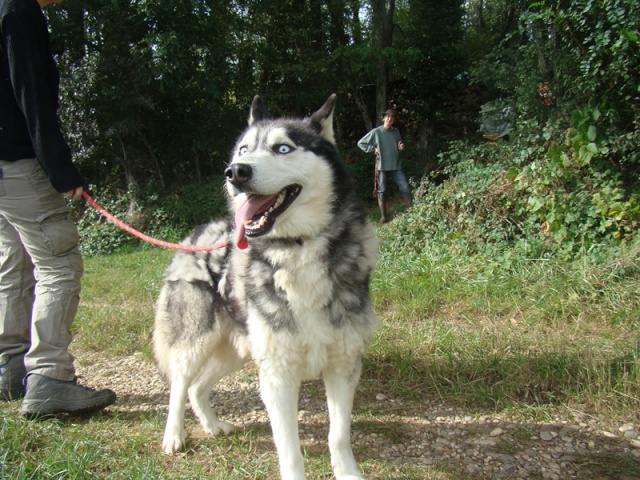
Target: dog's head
column 284, row 174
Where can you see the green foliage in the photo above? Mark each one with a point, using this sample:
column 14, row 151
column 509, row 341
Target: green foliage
column 99, row 236
column 167, row 217
column 144, row 100
column 574, row 193
column 191, row 205
column 153, row 94
column 595, row 41
column 545, row 192
column 434, row 62
column 568, row 180
column 362, row 170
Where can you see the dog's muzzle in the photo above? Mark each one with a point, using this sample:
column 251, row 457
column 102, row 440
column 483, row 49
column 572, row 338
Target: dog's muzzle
column 256, row 215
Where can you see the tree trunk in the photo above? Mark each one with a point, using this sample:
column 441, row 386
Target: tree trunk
column 355, row 80
column 156, row 161
column 132, row 216
column 197, row 167
column 362, row 107
column 480, row 15
column 383, row 11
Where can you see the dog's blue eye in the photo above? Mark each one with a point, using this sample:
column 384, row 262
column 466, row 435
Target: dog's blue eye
column 243, row 150
column 283, row 149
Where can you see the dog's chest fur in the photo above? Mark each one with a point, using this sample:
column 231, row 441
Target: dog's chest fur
column 297, row 315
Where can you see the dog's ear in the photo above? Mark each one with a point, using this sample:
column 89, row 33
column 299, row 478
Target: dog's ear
column 322, row 120
column 258, row 111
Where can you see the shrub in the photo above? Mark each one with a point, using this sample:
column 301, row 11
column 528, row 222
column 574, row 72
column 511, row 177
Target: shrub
column 547, row 191
column 98, row 236
column 164, row 216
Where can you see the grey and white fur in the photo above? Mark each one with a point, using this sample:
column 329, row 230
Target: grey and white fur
column 290, row 289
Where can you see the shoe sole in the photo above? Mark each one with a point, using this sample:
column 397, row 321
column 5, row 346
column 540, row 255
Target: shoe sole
column 42, row 408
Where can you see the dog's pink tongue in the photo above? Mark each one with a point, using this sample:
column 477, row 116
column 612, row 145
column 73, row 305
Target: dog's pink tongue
column 252, row 205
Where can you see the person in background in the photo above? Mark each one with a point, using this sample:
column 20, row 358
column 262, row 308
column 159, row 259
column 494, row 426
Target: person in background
column 40, row 263
column 385, row 141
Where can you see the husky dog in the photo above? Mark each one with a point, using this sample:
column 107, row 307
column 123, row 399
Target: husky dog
column 290, row 289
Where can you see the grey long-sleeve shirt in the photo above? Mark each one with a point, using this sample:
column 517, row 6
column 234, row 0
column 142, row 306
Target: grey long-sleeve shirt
column 29, row 83
column 387, row 142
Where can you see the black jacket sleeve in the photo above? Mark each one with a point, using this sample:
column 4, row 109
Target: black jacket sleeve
column 34, row 80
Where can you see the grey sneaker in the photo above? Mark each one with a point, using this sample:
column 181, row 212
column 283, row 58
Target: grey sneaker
column 12, row 376
column 46, row 396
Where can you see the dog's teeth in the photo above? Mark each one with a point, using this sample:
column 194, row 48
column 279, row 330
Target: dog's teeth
column 246, row 222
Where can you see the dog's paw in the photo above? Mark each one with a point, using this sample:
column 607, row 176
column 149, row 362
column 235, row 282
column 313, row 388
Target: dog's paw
column 172, row 444
column 220, row 426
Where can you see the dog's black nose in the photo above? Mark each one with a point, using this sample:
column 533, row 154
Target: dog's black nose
column 238, row 173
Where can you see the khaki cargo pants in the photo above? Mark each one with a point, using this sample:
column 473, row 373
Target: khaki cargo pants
column 40, row 271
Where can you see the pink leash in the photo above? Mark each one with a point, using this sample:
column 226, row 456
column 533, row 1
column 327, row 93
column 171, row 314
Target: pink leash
column 147, row 238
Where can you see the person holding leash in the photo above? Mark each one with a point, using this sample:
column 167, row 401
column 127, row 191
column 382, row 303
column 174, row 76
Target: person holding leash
column 40, row 263
column 385, row 141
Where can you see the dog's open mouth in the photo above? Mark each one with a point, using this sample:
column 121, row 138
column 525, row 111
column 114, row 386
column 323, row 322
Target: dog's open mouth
column 258, row 213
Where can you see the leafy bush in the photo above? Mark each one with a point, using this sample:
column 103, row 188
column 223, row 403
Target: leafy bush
column 566, row 55
column 361, row 168
column 167, row 217
column 192, row 204
column 575, row 191
column 547, row 191
column 97, row 235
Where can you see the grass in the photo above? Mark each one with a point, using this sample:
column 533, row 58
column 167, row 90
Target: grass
column 536, row 334
column 118, row 295
column 533, row 339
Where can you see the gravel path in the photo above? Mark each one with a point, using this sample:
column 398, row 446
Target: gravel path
column 481, row 446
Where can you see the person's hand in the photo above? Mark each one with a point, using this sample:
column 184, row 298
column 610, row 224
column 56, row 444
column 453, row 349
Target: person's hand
column 400, row 146
column 75, row 193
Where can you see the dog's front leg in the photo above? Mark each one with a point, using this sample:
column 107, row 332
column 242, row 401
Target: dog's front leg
column 341, row 387
column 173, row 440
column 280, row 396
